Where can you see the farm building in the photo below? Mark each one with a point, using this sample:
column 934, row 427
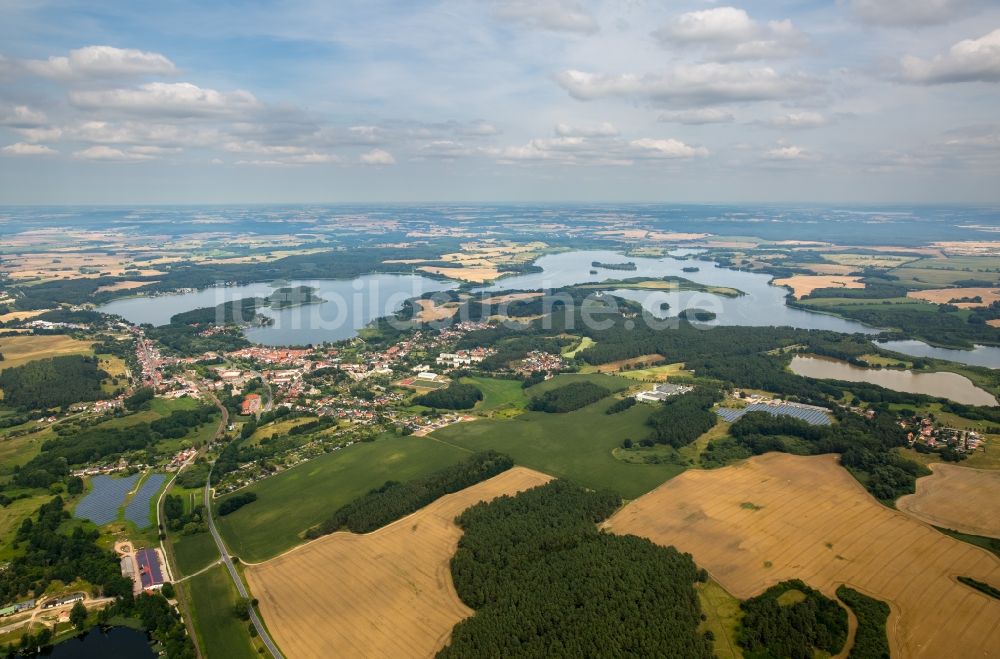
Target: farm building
column 17, row 607
column 150, row 572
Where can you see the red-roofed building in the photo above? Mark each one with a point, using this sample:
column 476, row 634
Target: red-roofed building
column 251, row 405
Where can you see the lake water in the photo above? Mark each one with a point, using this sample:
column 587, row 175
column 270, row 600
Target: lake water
column 986, row 356
column 943, row 385
column 119, row 642
column 350, row 304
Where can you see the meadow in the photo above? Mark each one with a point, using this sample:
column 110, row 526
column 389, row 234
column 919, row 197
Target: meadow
column 777, row 517
column 19, row 350
column 499, row 396
column 212, row 597
column 388, row 593
column 294, row 500
column 575, row 445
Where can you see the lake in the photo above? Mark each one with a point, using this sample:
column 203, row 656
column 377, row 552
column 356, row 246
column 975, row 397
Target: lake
column 97, row 644
column 986, row 356
column 348, row 306
column 940, row 384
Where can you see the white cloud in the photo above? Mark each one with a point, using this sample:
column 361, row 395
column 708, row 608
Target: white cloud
column 969, row 60
column 312, row 158
column 102, row 62
column 799, row 120
column 897, row 13
column 181, row 99
column 142, row 132
column 24, row 149
column 366, row 134
column 730, row 34
column 668, row 148
column 40, row 134
column 377, row 157
column 697, row 117
column 788, row 152
column 102, row 152
column 21, row 116
column 690, row 84
column 554, row 15
column 604, row 129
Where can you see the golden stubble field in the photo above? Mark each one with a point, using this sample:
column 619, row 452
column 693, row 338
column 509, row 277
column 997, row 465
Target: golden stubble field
column 958, row 498
column 778, row 517
column 803, row 285
column 946, row 295
column 384, row 594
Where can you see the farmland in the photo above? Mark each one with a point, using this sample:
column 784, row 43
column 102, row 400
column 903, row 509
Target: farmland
column 957, row 498
column 386, row 593
column 803, row 285
column 212, row 599
column 575, row 445
column 946, row 295
column 294, row 500
column 19, row 350
column 778, row 517
column 499, row 396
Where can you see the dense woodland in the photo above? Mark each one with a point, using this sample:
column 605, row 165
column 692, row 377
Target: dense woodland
column 456, row 396
column 545, row 583
column 781, row 623
column 870, row 639
column 394, row 500
column 55, row 547
column 681, row 419
column 568, row 397
column 53, row 382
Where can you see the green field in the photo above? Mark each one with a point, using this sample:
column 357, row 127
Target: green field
column 499, row 395
column 194, row 552
column 576, row 445
column 571, row 351
column 612, row 382
column 299, row 498
column 655, row 373
column 722, row 618
column 11, row 517
column 212, row 597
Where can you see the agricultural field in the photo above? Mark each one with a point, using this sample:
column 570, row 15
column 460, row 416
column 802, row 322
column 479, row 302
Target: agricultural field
column 431, row 311
column 611, row 382
column 621, row 365
column 778, row 516
column 500, row 397
column 194, row 552
column 803, row 285
column 296, row 499
column 957, row 498
column 212, row 598
column 574, row 350
column 383, row 594
column 946, row 295
column 655, row 373
column 19, row 350
column 858, row 261
column 576, row 445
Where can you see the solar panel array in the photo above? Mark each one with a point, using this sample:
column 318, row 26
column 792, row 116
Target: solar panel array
column 105, row 498
column 149, row 567
column 137, row 510
column 809, row 415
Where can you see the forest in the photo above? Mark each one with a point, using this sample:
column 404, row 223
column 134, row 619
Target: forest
column 58, row 549
column 791, row 620
column 393, row 500
column 568, row 397
column 178, row 521
column 870, row 639
column 544, row 582
column 456, row 396
column 680, row 420
column 52, row 382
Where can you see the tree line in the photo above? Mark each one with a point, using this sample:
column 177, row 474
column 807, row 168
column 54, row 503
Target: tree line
column 393, row 500
column 456, row 396
column 569, row 397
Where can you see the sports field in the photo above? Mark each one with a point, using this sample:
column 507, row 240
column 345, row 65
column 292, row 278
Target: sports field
column 576, row 445
column 303, row 496
column 957, row 498
column 779, row 516
column 384, row 594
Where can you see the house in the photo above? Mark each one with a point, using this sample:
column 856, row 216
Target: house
column 251, row 405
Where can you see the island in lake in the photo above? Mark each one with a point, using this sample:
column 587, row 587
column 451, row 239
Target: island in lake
column 630, row 265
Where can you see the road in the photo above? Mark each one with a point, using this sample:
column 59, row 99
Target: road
column 220, row 543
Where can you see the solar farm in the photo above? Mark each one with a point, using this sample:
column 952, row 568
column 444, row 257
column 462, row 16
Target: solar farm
column 137, row 510
column 815, row 416
column 105, row 498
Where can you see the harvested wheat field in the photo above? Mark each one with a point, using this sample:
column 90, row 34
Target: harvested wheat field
column 779, row 516
column 803, row 285
column 384, row 594
column 946, row 295
column 959, row 498
column 430, row 311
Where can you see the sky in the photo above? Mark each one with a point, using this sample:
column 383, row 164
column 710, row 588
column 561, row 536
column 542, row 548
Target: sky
column 285, row 101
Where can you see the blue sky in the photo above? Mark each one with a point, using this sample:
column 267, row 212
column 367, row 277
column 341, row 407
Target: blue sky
column 527, row 100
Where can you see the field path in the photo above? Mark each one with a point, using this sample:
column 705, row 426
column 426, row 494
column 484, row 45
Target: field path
column 388, row 593
column 958, row 498
column 778, row 516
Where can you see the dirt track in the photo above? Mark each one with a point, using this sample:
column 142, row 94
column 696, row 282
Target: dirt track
column 959, row 498
column 384, row 594
column 778, row 517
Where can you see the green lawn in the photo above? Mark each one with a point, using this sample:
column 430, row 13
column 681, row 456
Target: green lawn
column 576, row 445
column 212, row 597
column 299, row 498
column 499, row 394
column 193, row 552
